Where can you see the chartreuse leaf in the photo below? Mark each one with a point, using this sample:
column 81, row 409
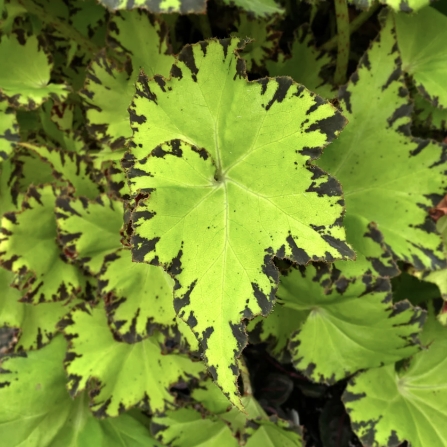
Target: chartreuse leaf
column 350, row 325
column 108, row 91
column 125, row 374
column 304, row 64
column 272, row 433
column 257, row 8
column 186, row 427
column 70, row 166
column 89, row 229
column 158, row 7
column 37, row 411
column 141, row 296
column 9, row 129
column 263, row 39
column 217, row 197
column 26, row 82
column 421, row 40
column 390, row 189
column 28, row 247
column 388, row 405
column 36, row 323
column 396, row 5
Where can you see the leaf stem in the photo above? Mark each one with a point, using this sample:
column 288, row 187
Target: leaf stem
column 343, row 41
column 353, row 26
column 245, row 375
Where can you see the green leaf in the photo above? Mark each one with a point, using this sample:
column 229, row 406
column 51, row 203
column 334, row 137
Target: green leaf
column 36, row 323
column 219, row 198
column 9, row 130
column 427, row 115
column 124, row 374
column 37, row 411
column 421, row 38
column 141, row 296
column 28, row 247
column 90, row 230
column 168, row 6
column 72, row 167
column 350, row 325
column 108, row 91
column 388, row 405
column 389, row 189
column 186, row 427
column 257, row 8
column 305, row 64
column 273, row 433
column 26, row 82
column 396, row 5
column 8, row 187
column 264, row 39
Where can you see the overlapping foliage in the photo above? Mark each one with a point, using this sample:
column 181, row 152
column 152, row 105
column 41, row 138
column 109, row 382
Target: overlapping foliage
column 205, row 240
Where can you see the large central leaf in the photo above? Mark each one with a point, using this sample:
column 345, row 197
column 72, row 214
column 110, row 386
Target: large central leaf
column 236, row 191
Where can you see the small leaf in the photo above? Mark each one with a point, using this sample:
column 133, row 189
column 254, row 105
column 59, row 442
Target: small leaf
column 24, row 86
column 181, row 6
column 350, row 325
column 37, row 411
column 218, row 197
column 427, row 115
column 90, row 230
column 305, row 64
column 123, row 374
column 257, row 8
column 389, row 405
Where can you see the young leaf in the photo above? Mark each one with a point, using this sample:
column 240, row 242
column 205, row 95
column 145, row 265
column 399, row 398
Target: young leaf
column 28, row 247
column 124, row 375
column 427, row 115
column 263, row 39
column 421, row 38
column 349, row 325
column 141, row 296
column 389, row 405
column 89, row 229
column 108, row 91
column 26, row 82
column 9, row 130
column 396, row 5
column 221, row 199
column 181, row 6
column 186, row 427
column 257, row 8
column 304, row 64
column 36, row 323
column 390, row 189
column 37, row 411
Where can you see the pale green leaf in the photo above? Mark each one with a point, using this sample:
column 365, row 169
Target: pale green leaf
column 421, row 38
column 36, row 323
column 258, row 8
column 26, row 82
column 397, row 5
column 218, row 196
column 9, row 130
column 28, row 246
column 388, row 405
column 90, row 230
column 125, row 374
column 140, row 297
column 350, row 325
column 159, row 7
column 108, row 91
column 273, row 433
column 304, row 64
column 37, row 411
column 389, row 179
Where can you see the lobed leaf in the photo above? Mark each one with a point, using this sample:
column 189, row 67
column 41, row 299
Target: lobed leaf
column 218, row 197
column 122, row 375
column 28, row 247
column 390, row 404
column 390, row 190
column 26, row 82
column 37, row 411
